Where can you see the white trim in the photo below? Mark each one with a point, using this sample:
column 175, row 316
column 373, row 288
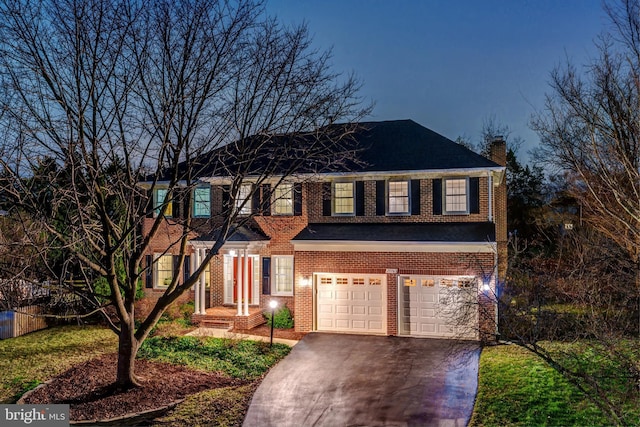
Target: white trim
column 367, row 246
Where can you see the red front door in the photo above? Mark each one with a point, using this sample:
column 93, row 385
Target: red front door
column 235, row 279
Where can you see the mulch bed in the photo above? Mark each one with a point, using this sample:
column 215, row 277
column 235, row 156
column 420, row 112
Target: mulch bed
column 87, row 388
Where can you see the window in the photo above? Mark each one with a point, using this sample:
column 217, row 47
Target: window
column 343, row 203
column 243, row 201
column 159, row 196
column 398, row 197
column 283, row 199
column 455, row 191
column 201, row 202
column 283, row 274
column 164, row 270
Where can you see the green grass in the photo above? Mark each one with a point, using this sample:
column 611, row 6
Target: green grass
column 237, row 358
column 31, row 359
column 517, row 388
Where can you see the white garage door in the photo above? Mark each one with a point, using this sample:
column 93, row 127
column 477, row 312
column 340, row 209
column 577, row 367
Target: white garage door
column 353, row 303
column 438, row 306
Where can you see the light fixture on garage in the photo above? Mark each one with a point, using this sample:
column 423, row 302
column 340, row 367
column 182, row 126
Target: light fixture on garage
column 486, row 287
column 305, row 281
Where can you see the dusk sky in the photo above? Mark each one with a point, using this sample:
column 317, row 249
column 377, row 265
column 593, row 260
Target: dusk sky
column 451, row 65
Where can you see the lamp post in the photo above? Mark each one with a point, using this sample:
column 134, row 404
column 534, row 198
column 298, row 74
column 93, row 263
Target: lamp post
column 273, row 304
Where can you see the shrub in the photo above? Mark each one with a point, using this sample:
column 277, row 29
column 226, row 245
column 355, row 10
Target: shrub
column 281, row 319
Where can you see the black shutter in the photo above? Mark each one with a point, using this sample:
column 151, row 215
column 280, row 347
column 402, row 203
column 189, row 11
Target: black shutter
column 186, row 269
column 176, row 265
column 265, row 206
column 415, row 197
column 437, row 196
column 326, row 199
column 297, row 199
column 255, row 200
column 148, row 280
column 226, row 198
column 474, row 195
column 266, row 276
column 151, row 204
column 380, row 197
column 359, row 198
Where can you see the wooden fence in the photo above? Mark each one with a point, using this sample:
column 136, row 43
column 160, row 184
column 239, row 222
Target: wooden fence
column 21, row 321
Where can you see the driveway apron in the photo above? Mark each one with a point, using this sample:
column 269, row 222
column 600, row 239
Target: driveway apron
column 356, row 380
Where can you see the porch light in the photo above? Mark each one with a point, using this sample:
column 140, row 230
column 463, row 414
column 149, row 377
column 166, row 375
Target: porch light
column 485, row 285
column 273, row 304
column 232, row 253
column 305, row 281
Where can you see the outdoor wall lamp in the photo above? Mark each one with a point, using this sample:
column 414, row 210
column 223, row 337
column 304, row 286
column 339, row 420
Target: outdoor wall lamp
column 232, row 253
column 305, row 281
column 485, row 284
column 273, row 304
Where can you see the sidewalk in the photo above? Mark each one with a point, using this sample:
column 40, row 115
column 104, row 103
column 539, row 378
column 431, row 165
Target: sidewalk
column 222, row 333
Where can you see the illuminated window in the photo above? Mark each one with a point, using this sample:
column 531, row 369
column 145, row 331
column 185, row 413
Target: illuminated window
column 201, row 202
column 343, row 201
column 326, row 281
column 243, row 201
column 375, row 281
column 164, row 271
column 398, row 197
column 283, row 199
column 283, row 274
column 159, row 196
column 430, row 283
column 409, row 282
column 358, row 281
column 455, row 191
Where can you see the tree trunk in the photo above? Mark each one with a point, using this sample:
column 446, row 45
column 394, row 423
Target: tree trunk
column 127, row 350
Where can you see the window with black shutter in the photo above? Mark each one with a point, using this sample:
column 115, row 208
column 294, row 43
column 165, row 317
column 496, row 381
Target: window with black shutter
column 326, row 199
column 474, row 195
column 149, row 273
column 359, row 198
column 415, row 197
column 381, row 208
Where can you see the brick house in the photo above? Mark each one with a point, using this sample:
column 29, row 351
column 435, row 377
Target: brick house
column 409, row 241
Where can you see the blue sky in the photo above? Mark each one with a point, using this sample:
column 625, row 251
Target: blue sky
column 451, row 65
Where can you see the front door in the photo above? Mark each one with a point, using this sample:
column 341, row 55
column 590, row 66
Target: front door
column 249, row 278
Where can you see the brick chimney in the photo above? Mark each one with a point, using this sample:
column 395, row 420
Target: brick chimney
column 498, row 150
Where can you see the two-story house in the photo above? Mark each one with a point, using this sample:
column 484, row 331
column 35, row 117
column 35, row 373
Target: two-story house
column 408, row 241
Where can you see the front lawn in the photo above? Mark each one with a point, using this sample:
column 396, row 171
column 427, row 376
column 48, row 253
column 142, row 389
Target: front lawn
column 31, row 359
column 517, row 388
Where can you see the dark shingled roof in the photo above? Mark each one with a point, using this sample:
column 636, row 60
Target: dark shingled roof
column 386, row 146
column 402, row 232
column 240, row 234
column 405, row 145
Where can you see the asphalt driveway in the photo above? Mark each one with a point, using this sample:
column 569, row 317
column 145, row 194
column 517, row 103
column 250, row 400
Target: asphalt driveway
column 356, row 380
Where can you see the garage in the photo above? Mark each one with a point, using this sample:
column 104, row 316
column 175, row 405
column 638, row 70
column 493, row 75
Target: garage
column 352, row 303
column 438, row 306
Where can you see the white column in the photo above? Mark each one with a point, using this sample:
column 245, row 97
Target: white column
column 203, row 279
column 196, row 287
column 245, row 281
column 239, row 283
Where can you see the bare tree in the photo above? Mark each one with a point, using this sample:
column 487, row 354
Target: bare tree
column 120, row 92
column 591, row 130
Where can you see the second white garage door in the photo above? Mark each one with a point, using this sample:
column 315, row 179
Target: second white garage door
column 354, row 303
column 438, row 306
